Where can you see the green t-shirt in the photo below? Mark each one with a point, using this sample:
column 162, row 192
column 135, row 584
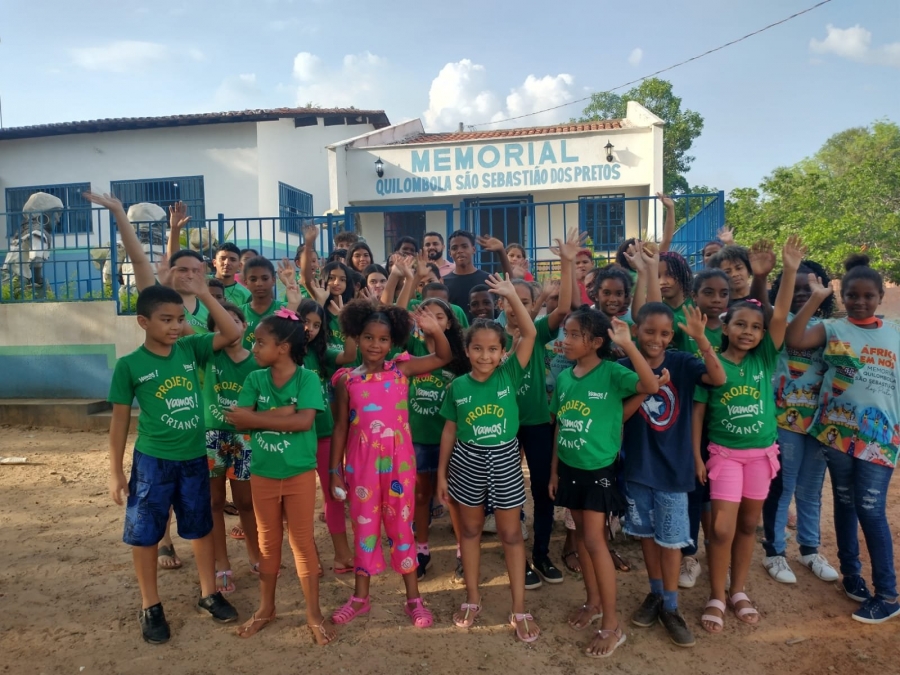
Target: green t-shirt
column 534, row 408
column 426, row 395
column 679, row 318
column 740, row 414
column 253, row 319
column 486, row 413
column 335, row 337
column 685, row 343
column 237, row 294
column 222, row 383
column 324, row 419
column 282, row 454
column 588, row 413
column 197, row 319
column 458, row 312
column 167, row 389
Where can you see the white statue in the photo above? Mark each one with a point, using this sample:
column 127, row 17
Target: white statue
column 29, row 248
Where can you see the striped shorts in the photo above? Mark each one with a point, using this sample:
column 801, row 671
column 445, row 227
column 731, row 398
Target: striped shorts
column 486, row 474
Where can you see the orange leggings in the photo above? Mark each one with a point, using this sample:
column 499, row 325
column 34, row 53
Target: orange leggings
column 294, row 497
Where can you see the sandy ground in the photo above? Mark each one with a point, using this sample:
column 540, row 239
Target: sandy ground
column 69, row 601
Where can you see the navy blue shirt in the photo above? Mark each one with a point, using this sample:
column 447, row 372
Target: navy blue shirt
column 657, row 450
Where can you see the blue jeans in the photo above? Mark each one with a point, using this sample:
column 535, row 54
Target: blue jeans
column 802, row 473
column 860, row 495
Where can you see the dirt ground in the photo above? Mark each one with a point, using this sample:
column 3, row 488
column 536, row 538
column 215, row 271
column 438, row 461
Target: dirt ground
column 69, row 601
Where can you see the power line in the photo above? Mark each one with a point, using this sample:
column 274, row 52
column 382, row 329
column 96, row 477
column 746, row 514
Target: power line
column 663, row 70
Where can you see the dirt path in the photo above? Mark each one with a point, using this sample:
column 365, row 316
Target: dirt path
column 69, row 601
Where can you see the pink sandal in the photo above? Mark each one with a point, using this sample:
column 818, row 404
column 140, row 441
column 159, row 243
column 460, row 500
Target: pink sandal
column 744, row 611
column 347, row 613
column 421, row 616
column 225, row 582
column 514, row 620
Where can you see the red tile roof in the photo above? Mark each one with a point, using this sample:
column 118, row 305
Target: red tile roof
column 572, row 127
column 377, row 118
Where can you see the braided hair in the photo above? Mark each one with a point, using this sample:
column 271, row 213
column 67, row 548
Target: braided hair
column 678, row 269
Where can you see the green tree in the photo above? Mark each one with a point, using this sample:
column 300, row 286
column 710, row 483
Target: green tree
column 843, row 200
column 682, row 126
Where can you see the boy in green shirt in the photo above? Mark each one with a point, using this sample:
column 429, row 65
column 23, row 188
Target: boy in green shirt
column 259, row 278
column 228, row 263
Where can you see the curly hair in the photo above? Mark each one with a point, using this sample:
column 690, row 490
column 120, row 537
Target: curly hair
column 460, row 364
column 349, row 291
column 319, row 344
column 228, row 307
column 612, row 271
column 486, row 324
column 856, row 267
column 678, row 269
column 287, row 330
column 731, row 253
column 359, row 313
column 597, row 325
column 729, row 315
column 826, row 309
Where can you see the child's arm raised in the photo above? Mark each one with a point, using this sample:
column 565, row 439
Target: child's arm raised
column 798, row 335
column 448, row 439
column 178, row 218
column 791, row 257
column 648, row 383
column 349, row 354
column 527, row 331
column 118, row 435
column 409, row 281
column 228, row 330
column 669, row 223
column 393, row 280
column 418, row 365
column 310, row 234
column 143, row 270
column 566, row 251
column 339, row 438
column 695, row 326
column 494, row 245
column 699, row 414
column 762, row 262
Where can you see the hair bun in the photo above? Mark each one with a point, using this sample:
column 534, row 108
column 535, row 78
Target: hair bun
column 856, row 260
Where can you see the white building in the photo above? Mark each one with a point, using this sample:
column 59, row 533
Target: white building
column 521, row 185
column 250, row 164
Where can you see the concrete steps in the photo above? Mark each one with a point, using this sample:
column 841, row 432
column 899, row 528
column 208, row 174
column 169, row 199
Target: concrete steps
column 80, row 414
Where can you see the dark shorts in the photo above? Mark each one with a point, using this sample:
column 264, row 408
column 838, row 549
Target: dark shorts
column 158, row 484
column 427, row 457
column 582, row 490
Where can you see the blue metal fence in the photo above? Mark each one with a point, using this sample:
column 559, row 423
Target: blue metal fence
column 73, row 267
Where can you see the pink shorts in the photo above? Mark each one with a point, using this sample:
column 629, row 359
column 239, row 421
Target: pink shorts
column 741, row 474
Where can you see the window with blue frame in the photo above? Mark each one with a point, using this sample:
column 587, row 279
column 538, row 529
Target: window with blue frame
column 76, row 215
column 603, row 218
column 165, row 192
column 399, row 224
column 507, row 219
column 294, row 207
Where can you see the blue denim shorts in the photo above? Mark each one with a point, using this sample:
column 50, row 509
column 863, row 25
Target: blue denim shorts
column 427, row 457
column 661, row 515
column 158, row 484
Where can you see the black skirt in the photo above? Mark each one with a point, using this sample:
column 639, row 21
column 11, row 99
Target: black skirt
column 582, row 490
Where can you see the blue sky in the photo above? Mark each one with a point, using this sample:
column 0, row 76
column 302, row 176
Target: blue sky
column 768, row 101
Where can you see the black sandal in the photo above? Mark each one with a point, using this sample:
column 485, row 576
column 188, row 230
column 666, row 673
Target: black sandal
column 571, row 568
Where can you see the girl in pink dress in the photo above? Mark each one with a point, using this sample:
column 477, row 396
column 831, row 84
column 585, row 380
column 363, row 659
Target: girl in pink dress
column 371, row 433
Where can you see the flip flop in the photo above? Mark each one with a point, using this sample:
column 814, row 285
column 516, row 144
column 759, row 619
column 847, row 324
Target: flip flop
column 226, row 586
column 168, row 552
column 470, row 613
column 620, row 640
column 230, row 509
column 514, row 620
column 568, row 565
column 250, row 628
column 237, row 532
column 340, row 568
column 592, row 618
column 620, row 562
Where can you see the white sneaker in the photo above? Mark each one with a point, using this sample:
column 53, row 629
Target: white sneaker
column 490, row 524
column 820, row 566
column 690, row 570
column 524, row 531
column 779, row 570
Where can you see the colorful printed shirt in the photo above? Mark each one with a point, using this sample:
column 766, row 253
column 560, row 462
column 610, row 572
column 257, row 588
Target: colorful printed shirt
column 859, row 403
column 167, row 389
column 798, row 379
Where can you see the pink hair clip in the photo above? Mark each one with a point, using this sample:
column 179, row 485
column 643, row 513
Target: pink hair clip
column 754, row 301
column 285, row 313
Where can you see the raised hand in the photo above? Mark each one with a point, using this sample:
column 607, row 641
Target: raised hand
column 196, row 285
column 164, row 272
column 287, row 273
column 817, row 288
column 550, row 287
column 422, row 265
column 336, row 305
column 665, row 200
column 620, row 333
column 426, row 322
column 292, row 293
column 793, row 252
column 762, row 258
column 634, row 254
column 694, row 322
column 178, row 216
column 105, row 200
column 310, row 234
column 490, row 243
column 501, row 286
column 650, row 256
column 569, row 248
column 726, row 235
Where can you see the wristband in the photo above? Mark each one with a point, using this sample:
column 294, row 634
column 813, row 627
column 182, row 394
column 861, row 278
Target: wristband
column 334, row 472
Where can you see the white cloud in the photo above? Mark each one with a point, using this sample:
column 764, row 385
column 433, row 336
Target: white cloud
column 129, row 56
column 238, row 93
column 362, row 80
column 461, row 93
column 855, row 43
column 635, row 57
